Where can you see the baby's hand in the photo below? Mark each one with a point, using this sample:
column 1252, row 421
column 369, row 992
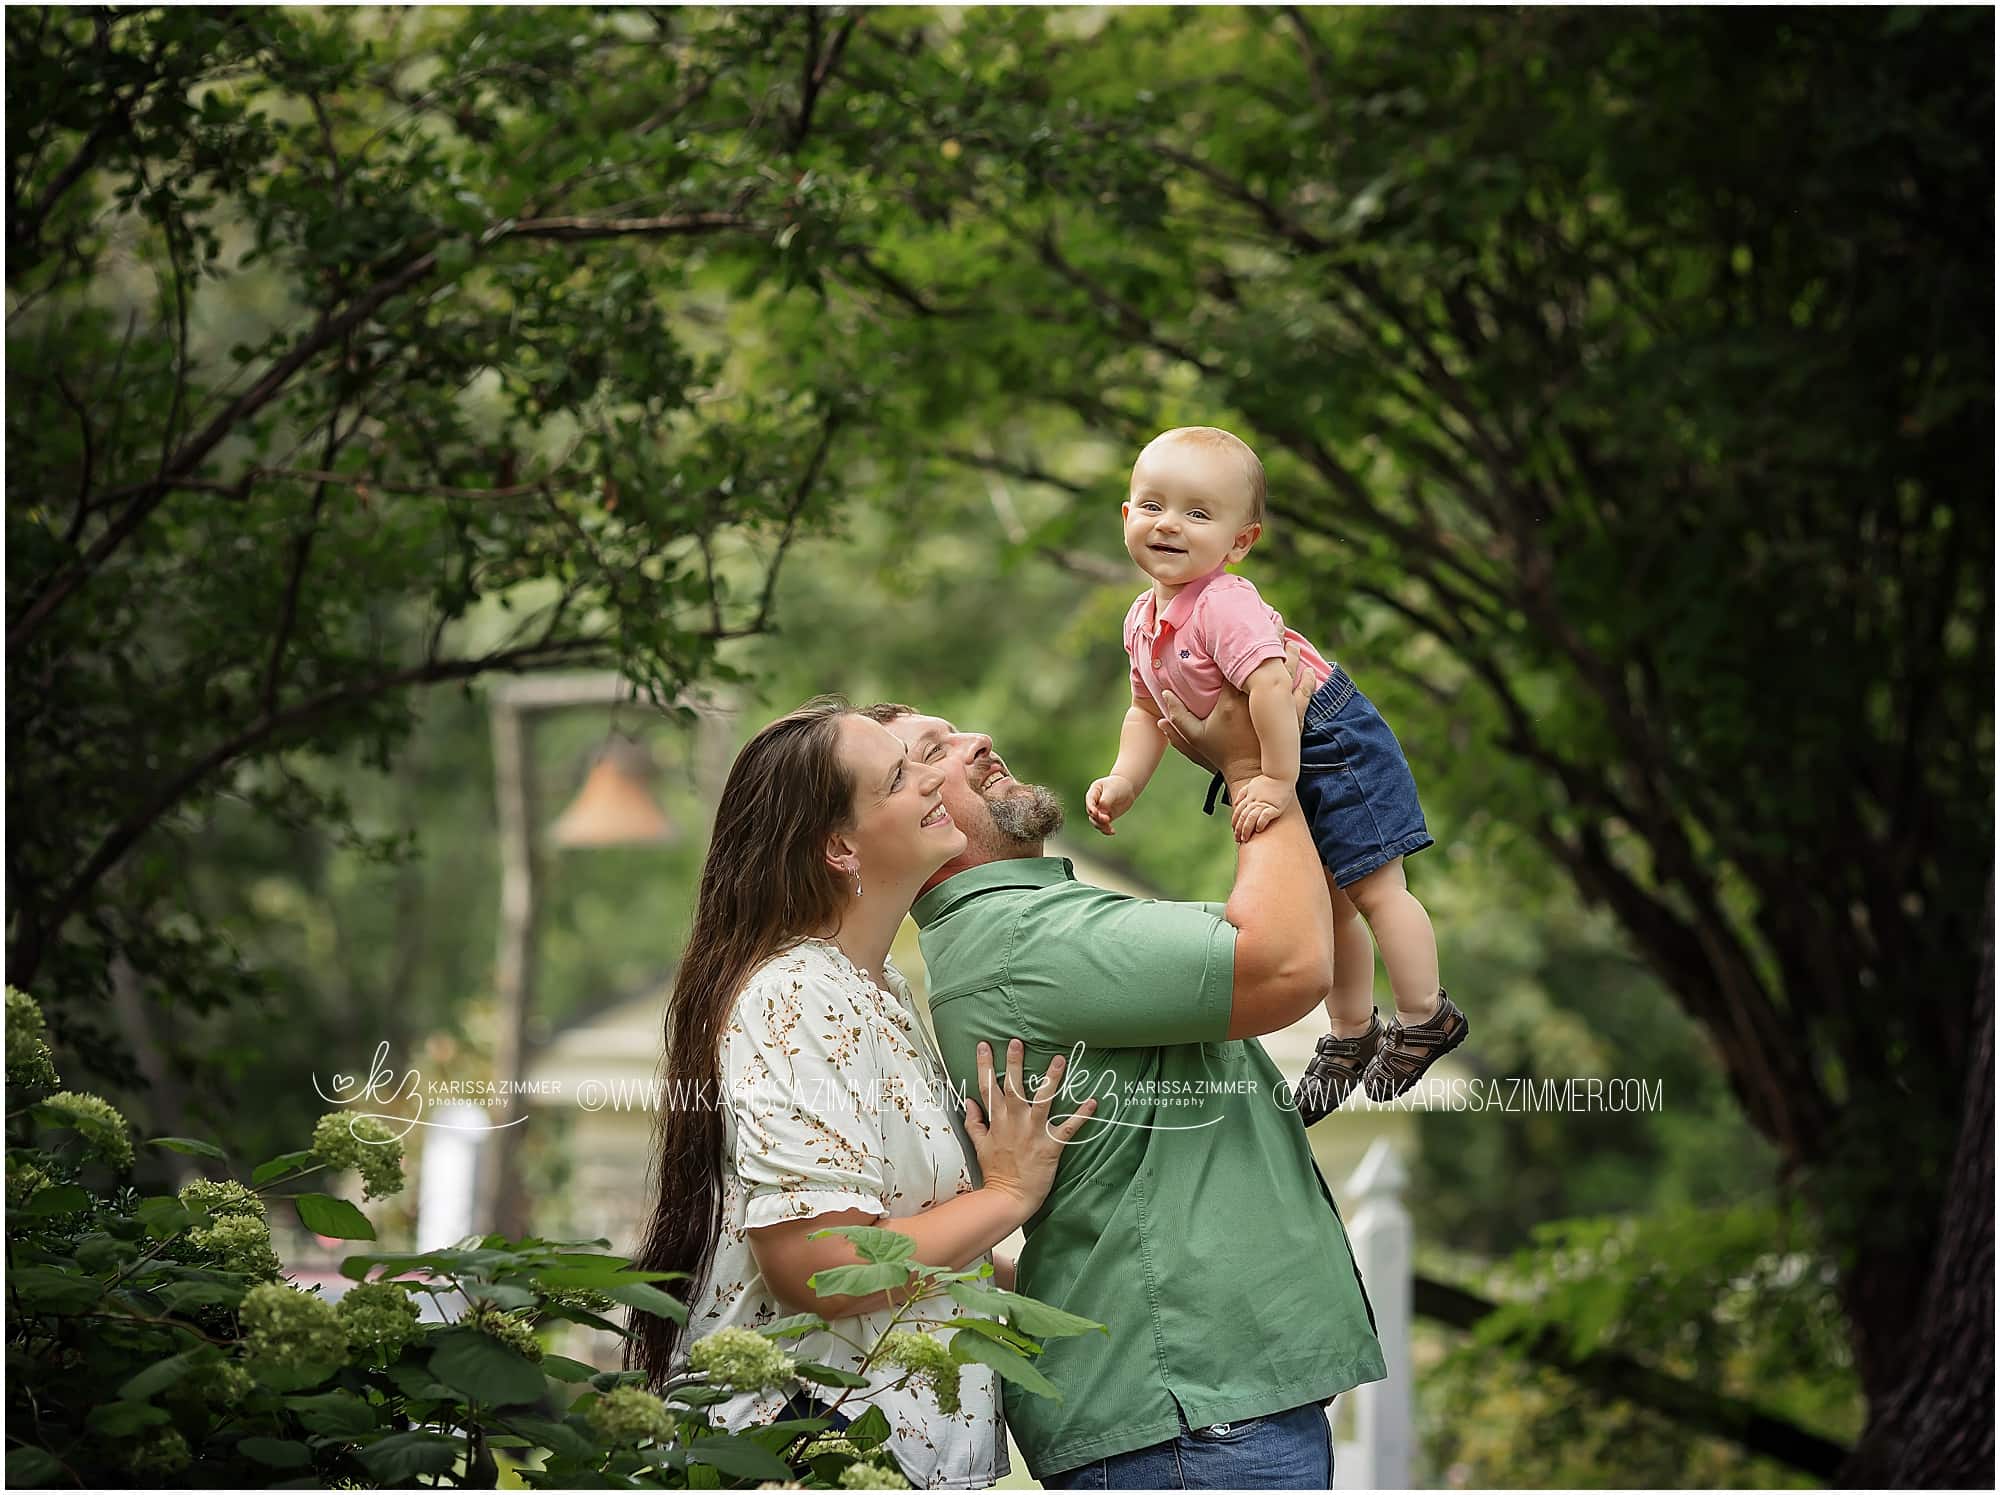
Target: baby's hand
column 1264, row 800
column 1110, row 797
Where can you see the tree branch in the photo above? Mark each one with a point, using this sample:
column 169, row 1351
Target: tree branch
column 126, row 834
column 148, row 496
column 670, row 225
column 141, row 500
column 1609, row 1374
column 808, row 480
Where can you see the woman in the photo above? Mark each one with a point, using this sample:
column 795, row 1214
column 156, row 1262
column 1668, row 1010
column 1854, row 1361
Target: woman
column 830, row 1107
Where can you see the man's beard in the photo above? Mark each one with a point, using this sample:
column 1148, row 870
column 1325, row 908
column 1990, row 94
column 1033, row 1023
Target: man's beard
column 1027, row 818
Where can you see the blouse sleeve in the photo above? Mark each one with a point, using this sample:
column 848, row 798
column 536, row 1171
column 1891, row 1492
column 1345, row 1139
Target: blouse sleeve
column 807, row 1137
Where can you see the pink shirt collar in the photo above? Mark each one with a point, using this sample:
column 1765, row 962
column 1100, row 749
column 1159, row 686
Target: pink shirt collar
column 1178, row 610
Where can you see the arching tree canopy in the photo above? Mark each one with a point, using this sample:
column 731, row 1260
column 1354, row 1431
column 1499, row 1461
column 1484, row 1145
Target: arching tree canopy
column 1624, row 378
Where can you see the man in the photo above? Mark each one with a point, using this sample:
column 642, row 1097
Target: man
column 1188, row 1215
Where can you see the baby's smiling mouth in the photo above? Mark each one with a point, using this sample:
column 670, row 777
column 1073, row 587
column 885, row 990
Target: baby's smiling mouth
column 1168, row 549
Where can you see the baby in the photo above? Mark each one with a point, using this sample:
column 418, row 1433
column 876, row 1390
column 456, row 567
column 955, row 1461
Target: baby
column 1196, row 505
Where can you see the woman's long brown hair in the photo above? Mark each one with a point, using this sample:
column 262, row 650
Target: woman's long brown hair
column 765, row 884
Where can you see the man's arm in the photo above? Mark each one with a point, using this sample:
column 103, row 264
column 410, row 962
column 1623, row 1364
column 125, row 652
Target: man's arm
column 1279, row 905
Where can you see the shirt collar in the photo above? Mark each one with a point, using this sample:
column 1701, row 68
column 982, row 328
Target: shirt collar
column 1014, row 872
column 1177, row 611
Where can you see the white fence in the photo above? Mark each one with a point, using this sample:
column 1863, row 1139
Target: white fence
column 1382, row 1451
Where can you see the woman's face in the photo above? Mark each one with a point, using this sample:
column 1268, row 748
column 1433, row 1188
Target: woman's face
column 901, row 830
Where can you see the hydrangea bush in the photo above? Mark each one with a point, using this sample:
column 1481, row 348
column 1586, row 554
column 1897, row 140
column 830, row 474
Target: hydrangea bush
column 155, row 1340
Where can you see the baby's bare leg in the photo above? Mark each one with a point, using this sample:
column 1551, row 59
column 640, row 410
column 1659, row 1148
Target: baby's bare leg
column 1351, row 1003
column 1403, row 934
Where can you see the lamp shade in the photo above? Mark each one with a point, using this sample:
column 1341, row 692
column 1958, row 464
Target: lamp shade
column 615, row 806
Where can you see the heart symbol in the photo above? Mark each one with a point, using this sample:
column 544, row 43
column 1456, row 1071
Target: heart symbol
column 343, row 1082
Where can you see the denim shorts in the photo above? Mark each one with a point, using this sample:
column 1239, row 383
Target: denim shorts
column 1355, row 785
column 1285, row 1451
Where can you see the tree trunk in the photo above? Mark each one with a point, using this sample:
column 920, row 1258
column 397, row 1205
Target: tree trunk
column 1936, row 1430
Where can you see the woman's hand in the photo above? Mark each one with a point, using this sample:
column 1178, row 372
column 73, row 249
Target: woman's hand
column 1017, row 1146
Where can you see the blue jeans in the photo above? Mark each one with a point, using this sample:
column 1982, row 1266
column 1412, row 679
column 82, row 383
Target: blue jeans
column 1284, row 1451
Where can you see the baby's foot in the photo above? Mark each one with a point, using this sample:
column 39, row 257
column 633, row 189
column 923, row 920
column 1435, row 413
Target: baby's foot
column 1408, row 1049
column 1335, row 1069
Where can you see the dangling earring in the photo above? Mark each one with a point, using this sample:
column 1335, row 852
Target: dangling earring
column 857, row 882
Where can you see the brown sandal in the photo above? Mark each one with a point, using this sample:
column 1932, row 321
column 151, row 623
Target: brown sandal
column 1408, row 1049
column 1336, row 1068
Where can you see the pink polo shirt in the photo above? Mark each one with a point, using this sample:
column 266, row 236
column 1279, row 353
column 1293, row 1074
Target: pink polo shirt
column 1217, row 628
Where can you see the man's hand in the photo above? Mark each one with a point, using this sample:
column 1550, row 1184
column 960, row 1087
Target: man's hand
column 1110, row 797
column 1226, row 740
column 1263, row 800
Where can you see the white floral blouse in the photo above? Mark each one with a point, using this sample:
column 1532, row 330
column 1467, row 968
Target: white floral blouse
column 835, row 1100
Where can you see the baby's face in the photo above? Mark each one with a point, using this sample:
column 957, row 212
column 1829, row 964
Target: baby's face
column 1188, row 513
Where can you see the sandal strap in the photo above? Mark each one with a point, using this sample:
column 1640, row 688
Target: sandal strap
column 1408, row 1048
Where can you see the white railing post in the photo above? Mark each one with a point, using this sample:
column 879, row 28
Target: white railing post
column 448, row 1175
column 448, row 1189
column 1384, row 1445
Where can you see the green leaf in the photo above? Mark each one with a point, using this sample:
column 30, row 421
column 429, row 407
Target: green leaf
column 416, row 1382
column 571, row 1315
column 645, row 1296
column 827, row 1375
column 122, row 1419
column 56, row 1199
column 192, row 1146
column 872, row 1242
column 559, row 1438
column 399, row 1458
column 858, row 1281
column 1028, row 1315
column 50, row 1290
column 699, row 1395
column 323, row 1214
column 869, row 1430
column 181, row 1296
column 506, row 1295
column 606, row 1276
column 279, row 1453
column 102, row 1255
column 1007, row 1362
column 606, row 1380
column 278, row 1167
column 480, row 1367
column 29, row 1467
column 798, row 1323
column 338, row 1414
column 294, row 1377
column 163, row 1215
column 993, row 1329
column 740, row 1458
column 562, row 1368
column 160, row 1375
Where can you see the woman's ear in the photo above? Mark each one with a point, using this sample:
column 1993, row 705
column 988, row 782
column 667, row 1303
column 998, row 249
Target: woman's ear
column 841, row 854
column 1245, row 538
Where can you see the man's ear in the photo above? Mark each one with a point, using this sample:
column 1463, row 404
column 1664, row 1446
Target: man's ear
column 1245, row 538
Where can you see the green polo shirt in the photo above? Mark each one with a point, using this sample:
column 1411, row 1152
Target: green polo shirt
column 1188, row 1215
